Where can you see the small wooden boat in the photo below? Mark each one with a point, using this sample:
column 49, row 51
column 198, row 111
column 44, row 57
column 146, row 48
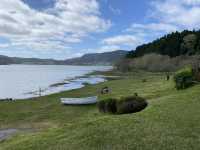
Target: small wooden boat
column 79, row 101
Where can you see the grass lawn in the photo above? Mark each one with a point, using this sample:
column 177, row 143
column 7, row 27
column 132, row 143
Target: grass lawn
column 170, row 122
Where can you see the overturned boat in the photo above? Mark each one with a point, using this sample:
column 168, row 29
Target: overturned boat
column 79, row 101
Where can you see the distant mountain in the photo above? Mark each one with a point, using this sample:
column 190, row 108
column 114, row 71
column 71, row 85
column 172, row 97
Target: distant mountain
column 36, row 61
column 5, row 60
column 107, row 58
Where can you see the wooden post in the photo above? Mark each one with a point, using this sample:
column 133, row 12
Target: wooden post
column 40, row 92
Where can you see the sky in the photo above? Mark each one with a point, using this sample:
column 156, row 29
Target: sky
column 62, row 29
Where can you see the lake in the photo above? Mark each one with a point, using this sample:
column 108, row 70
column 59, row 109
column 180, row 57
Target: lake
column 26, row 81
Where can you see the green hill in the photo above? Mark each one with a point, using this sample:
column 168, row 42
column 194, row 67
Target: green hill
column 174, row 44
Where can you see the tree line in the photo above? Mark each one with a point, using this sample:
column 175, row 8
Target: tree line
column 173, row 44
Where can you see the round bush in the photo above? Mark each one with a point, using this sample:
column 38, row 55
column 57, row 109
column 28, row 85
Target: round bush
column 123, row 106
column 108, row 105
column 131, row 104
column 102, row 106
column 184, row 78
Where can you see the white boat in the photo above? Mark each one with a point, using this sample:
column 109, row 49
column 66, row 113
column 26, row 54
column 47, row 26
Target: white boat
column 79, row 101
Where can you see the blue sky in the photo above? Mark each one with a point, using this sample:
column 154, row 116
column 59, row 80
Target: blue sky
column 63, row 29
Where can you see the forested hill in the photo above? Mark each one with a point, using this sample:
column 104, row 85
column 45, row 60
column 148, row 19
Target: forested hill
column 107, row 58
column 5, row 60
column 174, row 44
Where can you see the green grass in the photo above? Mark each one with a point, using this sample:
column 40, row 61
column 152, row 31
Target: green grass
column 171, row 121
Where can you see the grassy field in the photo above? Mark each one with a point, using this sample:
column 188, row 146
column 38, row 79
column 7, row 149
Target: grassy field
column 170, row 122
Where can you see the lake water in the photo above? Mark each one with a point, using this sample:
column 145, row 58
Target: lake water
column 25, row 81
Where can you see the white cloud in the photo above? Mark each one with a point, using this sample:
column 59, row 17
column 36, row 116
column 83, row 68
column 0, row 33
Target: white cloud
column 67, row 22
column 191, row 2
column 107, row 48
column 4, row 45
column 123, row 40
column 184, row 14
column 153, row 27
column 151, row 31
column 116, row 11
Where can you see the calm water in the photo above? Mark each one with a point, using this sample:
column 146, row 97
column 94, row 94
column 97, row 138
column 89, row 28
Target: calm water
column 24, row 81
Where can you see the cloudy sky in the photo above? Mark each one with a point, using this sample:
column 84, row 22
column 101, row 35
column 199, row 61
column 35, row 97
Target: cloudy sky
column 63, row 29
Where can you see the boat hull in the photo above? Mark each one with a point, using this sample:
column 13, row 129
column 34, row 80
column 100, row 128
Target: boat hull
column 79, row 101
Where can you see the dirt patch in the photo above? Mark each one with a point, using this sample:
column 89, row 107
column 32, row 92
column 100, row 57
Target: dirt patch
column 6, row 133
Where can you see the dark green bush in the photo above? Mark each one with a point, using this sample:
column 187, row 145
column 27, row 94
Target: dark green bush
column 102, row 106
column 184, row 78
column 108, row 105
column 131, row 104
column 111, row 106
column 123, row 106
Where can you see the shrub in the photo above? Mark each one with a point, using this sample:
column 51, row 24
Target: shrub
column 101, row 106
column 149, row 62
column 111, row 106
column 123, row 106
column 196, row 69
column 108, row 105
column 131, row 104
column 184, row 78
column 158, row 63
